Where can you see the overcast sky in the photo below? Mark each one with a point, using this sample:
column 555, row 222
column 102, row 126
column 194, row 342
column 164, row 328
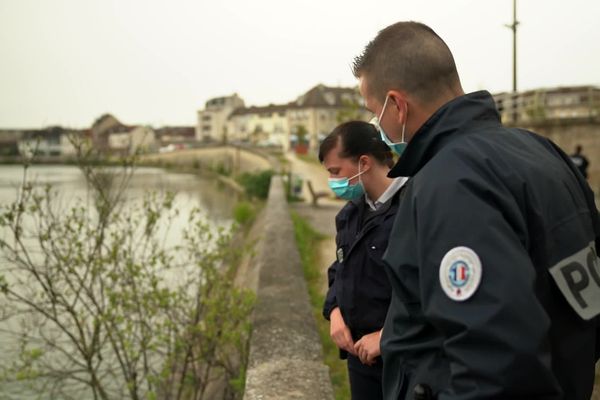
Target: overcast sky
column 66, row 62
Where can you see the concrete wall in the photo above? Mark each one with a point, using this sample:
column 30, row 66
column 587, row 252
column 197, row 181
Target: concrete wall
column 569, row 133
column 285, row 360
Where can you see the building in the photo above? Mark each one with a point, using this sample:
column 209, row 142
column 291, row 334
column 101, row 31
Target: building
column 322, row 108
column 267, row 125
column 9, row 141
column 53, row 141
column 212, row 121
column 175, row 135
column 111, row 136
column 562, row 103
column 102, row 128
column 306, row 120
column 132, row 140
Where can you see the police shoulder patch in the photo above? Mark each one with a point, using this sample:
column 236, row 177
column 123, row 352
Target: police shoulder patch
column 460, row 273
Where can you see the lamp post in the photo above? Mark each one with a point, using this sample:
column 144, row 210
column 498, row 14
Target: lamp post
column 513, row 27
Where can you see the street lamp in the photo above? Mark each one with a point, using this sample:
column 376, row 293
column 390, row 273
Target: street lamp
column 513, row 27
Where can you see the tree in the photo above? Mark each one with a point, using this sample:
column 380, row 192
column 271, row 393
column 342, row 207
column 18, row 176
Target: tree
column 97, row 305
column 351, row 110
column 302, row 133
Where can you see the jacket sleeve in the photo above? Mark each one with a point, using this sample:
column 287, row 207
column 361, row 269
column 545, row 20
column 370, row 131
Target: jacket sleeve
column 330, row 299
column 496, row 341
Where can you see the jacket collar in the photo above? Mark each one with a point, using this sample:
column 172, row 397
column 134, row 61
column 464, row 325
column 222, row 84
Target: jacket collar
column 360, row 206
column 448, row 121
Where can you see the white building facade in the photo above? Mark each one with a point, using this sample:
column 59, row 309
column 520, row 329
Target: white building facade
column 313, row 115
column 212, row 121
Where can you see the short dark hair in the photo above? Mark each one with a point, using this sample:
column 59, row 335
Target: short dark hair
column 357, row 138
column 408, row 56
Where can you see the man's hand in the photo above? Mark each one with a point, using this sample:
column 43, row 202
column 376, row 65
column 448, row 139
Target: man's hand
column 339, row 332
column 367, row 348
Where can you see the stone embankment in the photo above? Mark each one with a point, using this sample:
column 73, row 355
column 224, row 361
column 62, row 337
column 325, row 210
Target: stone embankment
column 285, row 360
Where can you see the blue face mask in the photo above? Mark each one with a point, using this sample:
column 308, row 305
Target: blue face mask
column 397, row 148
column 344, row 190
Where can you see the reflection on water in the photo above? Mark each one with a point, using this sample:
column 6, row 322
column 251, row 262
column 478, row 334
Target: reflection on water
column 215, row 200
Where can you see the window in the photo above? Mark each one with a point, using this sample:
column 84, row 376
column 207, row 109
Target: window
column 329, row 98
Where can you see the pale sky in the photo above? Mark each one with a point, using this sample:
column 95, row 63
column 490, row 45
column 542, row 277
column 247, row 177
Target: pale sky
column 66, row 62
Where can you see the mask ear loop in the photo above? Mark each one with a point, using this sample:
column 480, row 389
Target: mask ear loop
column 404, row 124
column 357, row 175
column 403, row 128
column 387, row 97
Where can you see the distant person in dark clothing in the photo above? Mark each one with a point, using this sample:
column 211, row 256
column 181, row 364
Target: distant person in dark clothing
column 359, row 291
column 580, row 161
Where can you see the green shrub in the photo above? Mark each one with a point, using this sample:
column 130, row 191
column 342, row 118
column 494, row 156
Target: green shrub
column 256, row 184
column 222, row 169
column 244, row 213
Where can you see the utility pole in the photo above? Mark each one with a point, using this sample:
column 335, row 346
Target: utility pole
column 513, row 27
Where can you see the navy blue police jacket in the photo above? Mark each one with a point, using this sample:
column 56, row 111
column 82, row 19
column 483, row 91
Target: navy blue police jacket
column 529, row 329
column 358, row 282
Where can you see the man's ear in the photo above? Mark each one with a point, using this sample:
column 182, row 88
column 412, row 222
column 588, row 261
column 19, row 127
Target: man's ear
column 400, row 103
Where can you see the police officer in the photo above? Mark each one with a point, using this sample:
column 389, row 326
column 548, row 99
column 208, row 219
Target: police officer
column 359, row 291
column 496, row 284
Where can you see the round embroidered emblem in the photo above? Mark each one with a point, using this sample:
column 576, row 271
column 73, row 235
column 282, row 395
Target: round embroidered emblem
column 460, row 273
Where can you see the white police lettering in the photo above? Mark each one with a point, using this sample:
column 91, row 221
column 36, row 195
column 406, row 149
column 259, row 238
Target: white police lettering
column 578, row 278
column 460, row 273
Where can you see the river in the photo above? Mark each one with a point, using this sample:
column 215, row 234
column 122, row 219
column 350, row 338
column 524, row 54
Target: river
column 215, row 200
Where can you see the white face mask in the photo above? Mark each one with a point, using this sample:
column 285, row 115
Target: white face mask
column 398, row 147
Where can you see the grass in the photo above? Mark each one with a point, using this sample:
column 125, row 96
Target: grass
column 308, row 240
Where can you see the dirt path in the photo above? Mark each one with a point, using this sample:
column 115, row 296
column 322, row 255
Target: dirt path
column 317, row 175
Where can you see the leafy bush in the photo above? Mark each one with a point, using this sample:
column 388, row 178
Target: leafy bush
column 256, row 184
column 222, row 169
column 244, row 213
column 99, row 307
